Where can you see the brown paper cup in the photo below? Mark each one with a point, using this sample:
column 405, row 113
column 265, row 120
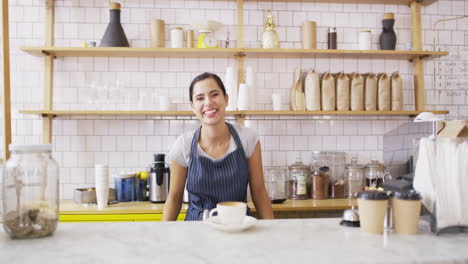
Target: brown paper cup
column 157, row 33
column 372, row 215
column 406, row 215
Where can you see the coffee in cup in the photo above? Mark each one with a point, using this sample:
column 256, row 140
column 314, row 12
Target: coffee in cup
column 230, row 213
column 372, row 208
column 406, row 209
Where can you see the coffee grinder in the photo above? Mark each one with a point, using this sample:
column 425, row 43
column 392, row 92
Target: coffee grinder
column 158, row 180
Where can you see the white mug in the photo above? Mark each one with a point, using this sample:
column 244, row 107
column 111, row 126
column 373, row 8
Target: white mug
column 230, row 213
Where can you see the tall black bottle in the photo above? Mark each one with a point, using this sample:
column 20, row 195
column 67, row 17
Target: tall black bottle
column 114, row 35
column 388, row 37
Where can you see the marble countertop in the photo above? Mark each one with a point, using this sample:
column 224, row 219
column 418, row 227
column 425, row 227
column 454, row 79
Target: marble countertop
column 70, row 207
column 269, row 241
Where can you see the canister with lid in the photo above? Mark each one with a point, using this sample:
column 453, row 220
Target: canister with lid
column 177, row 37
column 337, row 173
column 354, row 180
column 298, row 177
column 30, row 192
column 320, row 182
column 375, row 175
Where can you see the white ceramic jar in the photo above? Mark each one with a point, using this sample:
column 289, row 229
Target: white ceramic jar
column 365, row 40
column 177, row 37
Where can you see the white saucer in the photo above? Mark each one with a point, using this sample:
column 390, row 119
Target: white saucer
column 215, row 222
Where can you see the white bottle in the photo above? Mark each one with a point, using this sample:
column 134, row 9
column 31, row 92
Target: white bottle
column 177, row 38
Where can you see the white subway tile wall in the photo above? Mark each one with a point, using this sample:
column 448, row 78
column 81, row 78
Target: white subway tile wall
column 113, row 83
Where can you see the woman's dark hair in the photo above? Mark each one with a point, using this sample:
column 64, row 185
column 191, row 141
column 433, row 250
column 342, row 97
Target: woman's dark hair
column 204, row 76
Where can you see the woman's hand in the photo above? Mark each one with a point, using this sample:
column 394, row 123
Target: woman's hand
column 257, row 185
column 176, row 192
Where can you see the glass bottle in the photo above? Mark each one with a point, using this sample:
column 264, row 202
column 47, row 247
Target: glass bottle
column 30, row 192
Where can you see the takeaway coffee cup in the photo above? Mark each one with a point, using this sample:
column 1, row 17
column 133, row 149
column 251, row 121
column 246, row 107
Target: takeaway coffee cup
column 230, row 213
column 372, row 208
column 406, row 208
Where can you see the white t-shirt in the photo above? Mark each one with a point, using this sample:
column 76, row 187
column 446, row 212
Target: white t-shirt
column 180, row 151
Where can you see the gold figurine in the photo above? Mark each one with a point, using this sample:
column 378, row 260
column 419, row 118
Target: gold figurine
column 270, row 39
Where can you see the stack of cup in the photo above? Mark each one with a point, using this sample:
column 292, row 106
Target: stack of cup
column 372, row 209
column 101, row 172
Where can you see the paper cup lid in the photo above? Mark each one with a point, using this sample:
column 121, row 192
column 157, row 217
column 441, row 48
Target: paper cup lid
column 407, row 195
column 372, row 195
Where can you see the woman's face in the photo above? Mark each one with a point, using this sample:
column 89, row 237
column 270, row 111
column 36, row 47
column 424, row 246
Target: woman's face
column 208, row 102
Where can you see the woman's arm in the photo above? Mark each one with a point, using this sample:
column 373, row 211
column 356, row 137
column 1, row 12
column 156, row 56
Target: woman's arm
column 176, row 192
column 257, row 185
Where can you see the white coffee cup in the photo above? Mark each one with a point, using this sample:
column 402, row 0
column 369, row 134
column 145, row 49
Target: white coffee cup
column 276, row 101
column 230, row 213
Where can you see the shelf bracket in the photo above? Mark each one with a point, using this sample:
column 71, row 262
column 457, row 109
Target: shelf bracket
column 240, row 54
column 240, row 118
column 48, row 115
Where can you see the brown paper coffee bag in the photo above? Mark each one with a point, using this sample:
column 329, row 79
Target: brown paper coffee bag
column 370, row 93
column 328, row 93
column 397, row 92
column 384, row 93
column 342, row 92
column 297, row 95
column 357, row 92
column 312, row 91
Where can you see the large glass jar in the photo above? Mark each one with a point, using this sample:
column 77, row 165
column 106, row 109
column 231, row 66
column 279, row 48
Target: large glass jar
column 276, row 181
column 298, row 180
column 30, row 192
column 337, row 174
column 354, row 178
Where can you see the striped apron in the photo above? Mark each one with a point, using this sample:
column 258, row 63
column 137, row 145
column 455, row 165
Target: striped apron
column 210, row 182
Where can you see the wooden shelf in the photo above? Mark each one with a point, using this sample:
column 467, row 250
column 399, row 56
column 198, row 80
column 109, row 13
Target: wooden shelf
column 129, row 52
column 376, row 2
column 219, row 52
column 389, row 54
column 190, row 113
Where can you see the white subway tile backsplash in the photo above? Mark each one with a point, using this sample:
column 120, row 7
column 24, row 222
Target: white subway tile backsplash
column 98, row 138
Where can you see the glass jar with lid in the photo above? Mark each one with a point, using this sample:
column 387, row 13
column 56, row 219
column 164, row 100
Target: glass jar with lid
column 337, row 174
column 354, row 180
column 375, row 175
column 298, row 180
column 30, row 192
column 276, row 181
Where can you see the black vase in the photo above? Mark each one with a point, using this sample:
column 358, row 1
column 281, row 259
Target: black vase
column 388, row 36
column 114, row 35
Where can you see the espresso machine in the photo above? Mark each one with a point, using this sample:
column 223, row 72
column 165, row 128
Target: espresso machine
column 158, row 180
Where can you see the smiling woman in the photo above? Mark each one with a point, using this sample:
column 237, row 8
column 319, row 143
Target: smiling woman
column 217, row 161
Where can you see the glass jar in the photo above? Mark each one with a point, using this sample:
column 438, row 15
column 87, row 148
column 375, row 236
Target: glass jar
column 276, row 181
column 298, row 180
column 30, row 192
column 337, row 174
column 320, row 182
column 375, row 175
column 354, row 180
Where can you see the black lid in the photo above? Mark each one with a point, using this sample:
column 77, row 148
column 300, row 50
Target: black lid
column 159, row 157
column 372, row 195
column 407, row 195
